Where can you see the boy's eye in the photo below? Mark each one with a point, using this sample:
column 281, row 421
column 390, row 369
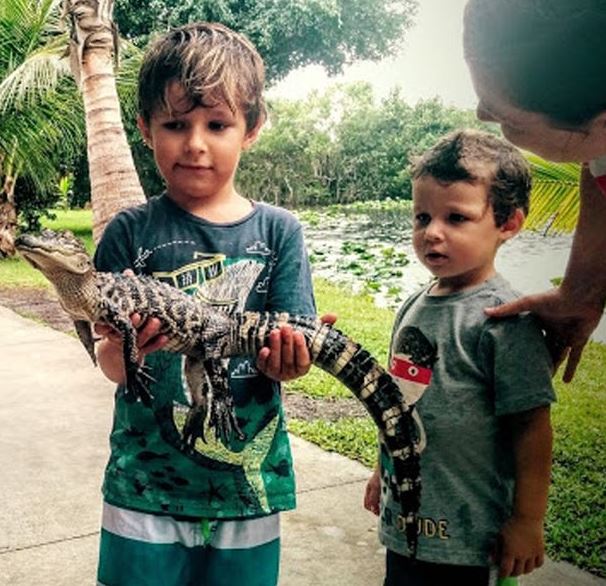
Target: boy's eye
column 456, row 218
column 174, row 125
column 422, row 219
column 216, row 125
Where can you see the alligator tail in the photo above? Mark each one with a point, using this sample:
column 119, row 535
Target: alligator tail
column 360, row 372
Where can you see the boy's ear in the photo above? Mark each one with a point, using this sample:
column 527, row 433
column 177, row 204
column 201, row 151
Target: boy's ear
column 252, row 135
column 144, row 130
column 513, row 225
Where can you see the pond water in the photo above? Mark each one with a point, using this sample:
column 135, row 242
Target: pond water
column 375, row 254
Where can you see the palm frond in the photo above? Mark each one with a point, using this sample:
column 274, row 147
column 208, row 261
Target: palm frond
column 35, row 77
column 554, row 201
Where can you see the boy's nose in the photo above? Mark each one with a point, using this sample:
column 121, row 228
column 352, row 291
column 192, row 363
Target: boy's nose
column 196, row 141
column 434, row 232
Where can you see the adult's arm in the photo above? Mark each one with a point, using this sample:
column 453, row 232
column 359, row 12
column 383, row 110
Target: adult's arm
column 571, row 312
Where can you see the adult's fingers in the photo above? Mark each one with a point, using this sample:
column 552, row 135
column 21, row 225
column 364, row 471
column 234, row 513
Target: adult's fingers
column 527, row 303
column 574, row 357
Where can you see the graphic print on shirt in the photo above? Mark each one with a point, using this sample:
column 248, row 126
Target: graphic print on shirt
column 411, row 364
column 226, row 284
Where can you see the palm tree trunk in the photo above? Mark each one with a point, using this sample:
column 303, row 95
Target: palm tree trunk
column 8, row 217
column 114, row 181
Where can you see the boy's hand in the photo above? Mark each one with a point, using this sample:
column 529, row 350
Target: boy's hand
column 372, row 494
column 520, row 547
column 149, row 338
column 287, row 356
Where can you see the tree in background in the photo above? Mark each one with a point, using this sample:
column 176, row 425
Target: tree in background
column 289, row 33
column 40, row 115
column 114, row 181
column 343, row 146
column 288, row 165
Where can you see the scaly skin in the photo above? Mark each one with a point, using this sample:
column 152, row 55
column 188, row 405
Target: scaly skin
column 205, row 335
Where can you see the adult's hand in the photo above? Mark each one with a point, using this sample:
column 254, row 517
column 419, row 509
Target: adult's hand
column 568, row 323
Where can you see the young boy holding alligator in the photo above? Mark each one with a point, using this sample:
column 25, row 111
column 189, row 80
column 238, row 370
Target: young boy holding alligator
column 482, row 387
column 208, row 514
column 200, row 464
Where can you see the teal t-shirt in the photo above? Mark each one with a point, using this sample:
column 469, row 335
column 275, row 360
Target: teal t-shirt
column 258, row 263
column 464, row 372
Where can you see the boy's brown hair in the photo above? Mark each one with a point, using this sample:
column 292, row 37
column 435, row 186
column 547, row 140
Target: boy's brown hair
column 467, row 155
column 212, row 63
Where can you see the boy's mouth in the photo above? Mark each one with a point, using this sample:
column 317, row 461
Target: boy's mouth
column 435, row 257
column 194, row 168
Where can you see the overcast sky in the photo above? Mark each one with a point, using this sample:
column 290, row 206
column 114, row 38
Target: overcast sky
column 431, row 63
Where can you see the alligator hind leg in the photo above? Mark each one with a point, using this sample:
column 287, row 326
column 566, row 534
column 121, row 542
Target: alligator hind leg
column 222, row 408
column 199, row 389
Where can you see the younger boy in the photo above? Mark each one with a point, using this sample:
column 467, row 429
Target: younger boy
column 482, row 387
column 174, row 515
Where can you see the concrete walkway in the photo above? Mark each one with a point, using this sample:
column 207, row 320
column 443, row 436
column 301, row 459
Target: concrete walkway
column 55, row 416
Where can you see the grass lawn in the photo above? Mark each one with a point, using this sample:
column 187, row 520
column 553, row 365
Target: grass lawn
column 576, row 521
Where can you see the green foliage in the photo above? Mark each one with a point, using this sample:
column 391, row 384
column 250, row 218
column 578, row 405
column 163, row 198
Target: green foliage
column 554, row 203
column 40, row 119
column 288, row 34
column 375, row 145
column 575, row 520
column 361, row 319
column 342, row 147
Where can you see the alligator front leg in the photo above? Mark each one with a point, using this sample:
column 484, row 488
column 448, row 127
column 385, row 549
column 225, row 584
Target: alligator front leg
column 137, row 376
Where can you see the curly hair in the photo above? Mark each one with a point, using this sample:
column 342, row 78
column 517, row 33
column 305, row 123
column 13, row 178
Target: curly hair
column 467, row 155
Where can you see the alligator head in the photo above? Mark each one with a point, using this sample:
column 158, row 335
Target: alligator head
column 54, row 253
column 63, row 260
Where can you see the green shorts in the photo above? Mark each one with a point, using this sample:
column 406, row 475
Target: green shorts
column 140, row 549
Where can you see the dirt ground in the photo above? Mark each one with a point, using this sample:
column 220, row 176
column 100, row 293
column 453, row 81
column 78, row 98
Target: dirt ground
column 42, row 305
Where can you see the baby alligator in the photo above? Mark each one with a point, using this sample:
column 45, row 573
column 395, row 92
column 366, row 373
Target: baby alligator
column 205, row 335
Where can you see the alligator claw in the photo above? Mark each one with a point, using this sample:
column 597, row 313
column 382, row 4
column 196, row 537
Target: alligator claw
column 223, row 419
column 137, row 386
column 194, row 426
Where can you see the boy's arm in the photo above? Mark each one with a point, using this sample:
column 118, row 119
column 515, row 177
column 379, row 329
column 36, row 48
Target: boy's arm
column 372, row 493
column 290, row 290
column 521, row 549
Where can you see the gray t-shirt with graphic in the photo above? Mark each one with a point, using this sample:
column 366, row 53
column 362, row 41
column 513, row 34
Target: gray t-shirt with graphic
column 465, row 372
column 258, row 263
